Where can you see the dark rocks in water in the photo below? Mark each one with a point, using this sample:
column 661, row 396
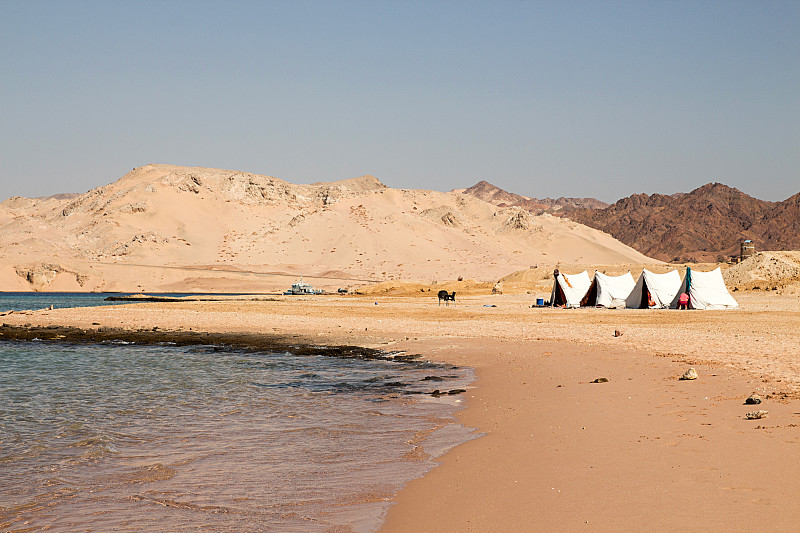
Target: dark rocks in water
column 600, row 380
column 753, row 399
column 394, row 384
column 451, row 392
column 242, row 341
column 432, row 378
column 406, row 357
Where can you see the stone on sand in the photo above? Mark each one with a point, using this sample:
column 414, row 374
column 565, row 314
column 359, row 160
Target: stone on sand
column 753, row 399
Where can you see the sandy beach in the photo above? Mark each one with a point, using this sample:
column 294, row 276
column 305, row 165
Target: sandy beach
column 643, row 450
column 282, row 266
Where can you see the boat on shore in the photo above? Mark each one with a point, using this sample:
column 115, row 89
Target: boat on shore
column 300, row 287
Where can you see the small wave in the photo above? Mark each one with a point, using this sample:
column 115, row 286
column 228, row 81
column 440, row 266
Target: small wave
column 90, row 441
column 146, row 474
column 166, row 502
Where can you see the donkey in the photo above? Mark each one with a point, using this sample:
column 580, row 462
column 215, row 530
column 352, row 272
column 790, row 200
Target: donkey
column 443, row 295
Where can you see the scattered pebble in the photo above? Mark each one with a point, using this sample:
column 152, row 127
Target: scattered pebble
column 617, row 333
column 689, row 374
column 756, row 415
column 600, row 380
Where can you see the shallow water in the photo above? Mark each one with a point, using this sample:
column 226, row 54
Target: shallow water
column 19, row 301
column 125, row 437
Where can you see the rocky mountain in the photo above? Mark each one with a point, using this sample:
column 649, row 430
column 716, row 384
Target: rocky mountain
column 707, row 224
column 779, row 229
column 487, row 192
column 170, row 228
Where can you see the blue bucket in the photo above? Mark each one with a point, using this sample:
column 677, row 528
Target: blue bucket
column 540, row 301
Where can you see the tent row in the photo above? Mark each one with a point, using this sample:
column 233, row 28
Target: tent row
column 706, row 290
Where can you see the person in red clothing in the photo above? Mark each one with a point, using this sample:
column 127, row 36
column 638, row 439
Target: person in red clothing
column 683, row 301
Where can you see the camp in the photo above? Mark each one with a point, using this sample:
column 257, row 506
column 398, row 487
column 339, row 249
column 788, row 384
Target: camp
column 609, row 291
column 707, row 290
column 655, row 290
column 569, row 290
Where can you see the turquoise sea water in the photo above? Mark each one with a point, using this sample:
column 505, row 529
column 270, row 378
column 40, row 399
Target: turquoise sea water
column 18, row 301
column 115, row 437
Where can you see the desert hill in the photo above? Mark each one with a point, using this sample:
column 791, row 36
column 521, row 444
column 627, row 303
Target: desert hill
column 769, row 271
column 170, row 228
column 487, row 192
column 707, row 224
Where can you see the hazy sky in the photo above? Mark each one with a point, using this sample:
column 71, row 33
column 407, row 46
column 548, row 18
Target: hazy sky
column 559, row 98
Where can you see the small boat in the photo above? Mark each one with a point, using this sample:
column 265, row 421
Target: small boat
column 302, row 288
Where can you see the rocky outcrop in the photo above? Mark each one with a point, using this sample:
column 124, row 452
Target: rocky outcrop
column 443, row 215
column 40, row 276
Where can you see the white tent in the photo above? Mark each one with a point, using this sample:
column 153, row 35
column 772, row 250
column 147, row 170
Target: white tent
column 663, row 290
column 611, row 291
column 569, row 290
column 707, row 290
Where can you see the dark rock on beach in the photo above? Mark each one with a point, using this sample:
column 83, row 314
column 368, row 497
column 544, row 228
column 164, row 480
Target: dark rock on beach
column 753, row 399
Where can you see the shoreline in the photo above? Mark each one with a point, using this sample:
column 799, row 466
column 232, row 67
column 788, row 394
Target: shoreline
column 680, row 453
column 643, row 451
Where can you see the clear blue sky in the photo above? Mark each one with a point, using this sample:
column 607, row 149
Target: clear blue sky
column 558, row 98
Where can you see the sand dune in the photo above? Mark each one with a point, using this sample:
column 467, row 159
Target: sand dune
column 170, row 228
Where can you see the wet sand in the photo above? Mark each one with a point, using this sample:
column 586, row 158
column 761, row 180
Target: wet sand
column 641, row 451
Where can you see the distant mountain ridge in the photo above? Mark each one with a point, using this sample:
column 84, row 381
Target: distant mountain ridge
column 483, row 190
column 706, row 224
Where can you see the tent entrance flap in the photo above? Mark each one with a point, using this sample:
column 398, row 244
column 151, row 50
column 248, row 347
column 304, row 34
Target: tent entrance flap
column 591, row 294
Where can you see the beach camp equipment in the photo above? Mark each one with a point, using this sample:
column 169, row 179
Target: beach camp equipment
column 609, row 291
column 707, row 290
column 656, row 290
column 569, row 289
